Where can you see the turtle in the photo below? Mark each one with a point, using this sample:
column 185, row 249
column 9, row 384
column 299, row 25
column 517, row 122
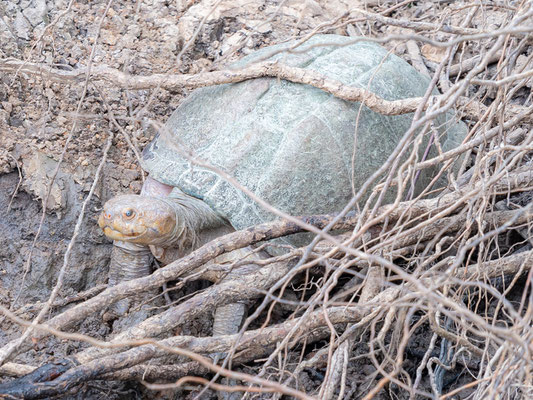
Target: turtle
column 298, row 148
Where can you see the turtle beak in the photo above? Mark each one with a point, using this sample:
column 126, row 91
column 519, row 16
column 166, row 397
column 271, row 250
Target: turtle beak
column 113, row 234
column 104, row 224
column 101, row 222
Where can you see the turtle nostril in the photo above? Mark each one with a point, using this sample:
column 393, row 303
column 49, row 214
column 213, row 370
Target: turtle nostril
column 108, row 216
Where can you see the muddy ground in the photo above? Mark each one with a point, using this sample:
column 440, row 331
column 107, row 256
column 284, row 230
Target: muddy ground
column 39, row 126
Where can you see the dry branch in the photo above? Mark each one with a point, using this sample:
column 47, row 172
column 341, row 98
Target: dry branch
column 262, row 339
column 254, row 235
column 16, row 369
column 179, row 268
column 117, row 78
column 173, row 82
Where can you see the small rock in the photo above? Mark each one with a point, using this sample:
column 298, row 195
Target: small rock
column 135, row 187
column 232, row 42
column 22, row 26
column 200, row 65
column 15, row 101
column 37, row 15
column 37, row 172
column 128, row 176
column 259, row 26
column 432, row 53
column 15, row 122
column 60, row 120
column 311, row 7
column 77, row 52
column 109, row 37
column 264, row 27
column 134, row 30
column 6, row 105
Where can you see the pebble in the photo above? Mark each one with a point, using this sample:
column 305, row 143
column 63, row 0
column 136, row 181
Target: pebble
column 22, row 26
column 109, row 37
column 37, row 14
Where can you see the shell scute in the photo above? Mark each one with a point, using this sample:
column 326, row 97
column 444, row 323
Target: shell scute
column 290, row 144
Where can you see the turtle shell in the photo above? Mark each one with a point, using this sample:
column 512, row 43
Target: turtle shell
column 300, row 149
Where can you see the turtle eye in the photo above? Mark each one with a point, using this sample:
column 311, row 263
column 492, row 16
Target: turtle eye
column 129, row 213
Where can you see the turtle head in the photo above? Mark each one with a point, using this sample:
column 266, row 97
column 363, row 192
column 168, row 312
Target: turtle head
column 138, row 219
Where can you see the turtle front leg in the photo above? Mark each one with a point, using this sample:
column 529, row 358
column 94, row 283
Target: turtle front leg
column 228, row 318
column 128, row 261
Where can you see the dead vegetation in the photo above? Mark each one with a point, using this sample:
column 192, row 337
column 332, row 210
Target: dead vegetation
column 429, row 297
